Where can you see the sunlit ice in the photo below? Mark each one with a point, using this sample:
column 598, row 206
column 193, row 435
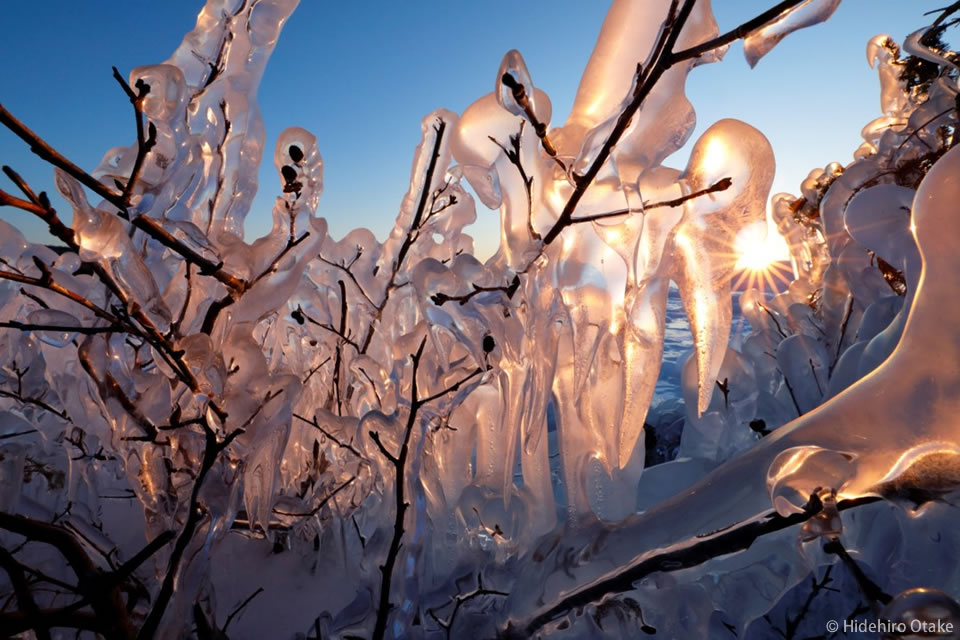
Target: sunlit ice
column 571, row 439
column 761, row 256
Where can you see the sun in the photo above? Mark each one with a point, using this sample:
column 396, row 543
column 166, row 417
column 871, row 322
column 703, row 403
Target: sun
column 756, row 249
column 761, row 253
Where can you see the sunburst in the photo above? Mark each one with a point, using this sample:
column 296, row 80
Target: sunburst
column 760, row 256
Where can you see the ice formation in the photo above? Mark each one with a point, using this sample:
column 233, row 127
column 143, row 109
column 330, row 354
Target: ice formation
column 463, row 443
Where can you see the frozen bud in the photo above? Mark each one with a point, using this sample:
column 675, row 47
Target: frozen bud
column 489, row 344
column 297, row 158
column 514, row 87
column 798, row 472
column 165, row 89
column 826, row 523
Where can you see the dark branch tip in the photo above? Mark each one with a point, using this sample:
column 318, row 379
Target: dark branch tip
column 489, row 344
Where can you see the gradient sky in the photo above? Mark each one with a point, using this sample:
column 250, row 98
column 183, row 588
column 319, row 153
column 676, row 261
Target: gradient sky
column 361, row 75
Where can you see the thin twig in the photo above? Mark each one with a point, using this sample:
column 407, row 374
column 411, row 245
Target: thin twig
column 458, row 601
column 513, row 155
column 213, row 311
column 540, row 128
column 26, row 326
column 321, row 505
column 240, row 608
column 847, row 312
column 720, row 185
column 316, row 425
column 441, row 298
column 733, row 35
column 105, row 599
column 870, row 588
column 773, row 317
column 211, row 452
column 148, row 225
column 793, row 623
column 399, row 462
column 38, row 402
column 144, row 144
column 412, row 233
column 21, row 588
column 353, row 278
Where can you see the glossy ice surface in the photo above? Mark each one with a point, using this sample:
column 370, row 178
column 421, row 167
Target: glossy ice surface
column 522, row 419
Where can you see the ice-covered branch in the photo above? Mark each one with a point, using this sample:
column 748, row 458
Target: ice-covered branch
column 101, row 590
column 737, row 33
column 240, row 607
column 213, row 447
column 460, row 600
column 412, row 232
column 539, row 127
column 683, row 555
column 28, row 326
column 513, row 155
column 314, row 511
column 399, row 462
column 145, row 224
column 144, row 144
column 21, row 589
column 217, row 306
column 720, row 185
column 509, row 290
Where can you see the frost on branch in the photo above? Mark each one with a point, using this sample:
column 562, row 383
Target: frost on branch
column 193, row 417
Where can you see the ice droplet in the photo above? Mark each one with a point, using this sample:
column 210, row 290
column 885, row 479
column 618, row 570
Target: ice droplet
column 921, row 609
column 53, row 318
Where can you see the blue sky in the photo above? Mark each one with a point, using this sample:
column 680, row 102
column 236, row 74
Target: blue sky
column 361, row 76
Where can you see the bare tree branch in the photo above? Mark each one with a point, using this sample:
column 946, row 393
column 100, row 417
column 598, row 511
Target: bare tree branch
column 321, row 505
column 735, row 34
column 720, row 185
column 144, row 144
column 412, row 233
column 24, row 595
column 458, row 601
column 732, row 539
column 148, row 225
column 240, row 608
column 399, row 463
column 316, row 425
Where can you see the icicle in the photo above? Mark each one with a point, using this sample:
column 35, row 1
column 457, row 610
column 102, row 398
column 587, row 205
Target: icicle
column 642, row 355
column 704, row 242
column 884, row 54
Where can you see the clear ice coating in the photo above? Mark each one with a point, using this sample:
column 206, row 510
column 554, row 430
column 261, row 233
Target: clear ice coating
column 761, row 41
column 426, row 426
